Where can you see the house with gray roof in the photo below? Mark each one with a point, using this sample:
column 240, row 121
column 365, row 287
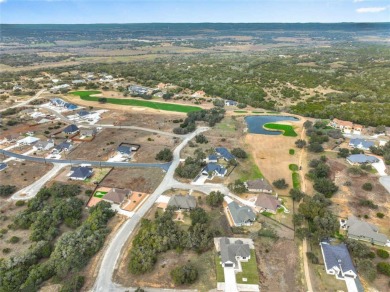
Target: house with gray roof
column 267, row 203
column 212, row 169
column 80, row 172
column 224, row 153
column 233, row 252
column 361, row 144
column 258, row 185
column 181, row 202
column 213, row 158
column 241, row 215
column 124, row 150
column 64, row 146
column 116, row 196
column 362, row 230
column 88, row 132
column 357, row 159
column 338, row 262
column 44, row 145
column 71, row 129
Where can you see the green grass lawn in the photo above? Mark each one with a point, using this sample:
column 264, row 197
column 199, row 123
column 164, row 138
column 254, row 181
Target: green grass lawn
column 252, row 171
column 293, row 167
column 241, row 112
column 286, row 129
column 291, row 151
column 249, row 271
column 296, row 180
column 86, row 95
column 99, row 194
column 257, row 112
column 219, row 269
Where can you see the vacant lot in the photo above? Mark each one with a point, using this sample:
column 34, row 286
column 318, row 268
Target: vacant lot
column 22, row 174
column 106, row 143
column 279, row 265
column 144, row 180
column 86, row 95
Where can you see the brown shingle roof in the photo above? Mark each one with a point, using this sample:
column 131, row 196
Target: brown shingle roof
column 116, row 195
column 267, row 201
column 343, row 123
column 258, row 184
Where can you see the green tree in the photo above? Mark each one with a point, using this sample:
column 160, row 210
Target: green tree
column 367, row 269
column 239, row 153
column 215, row 199
column 300, row 143
column 383, row 268
column 280, row 184
column 7, row 190
column 186, row 274
column 165, row 155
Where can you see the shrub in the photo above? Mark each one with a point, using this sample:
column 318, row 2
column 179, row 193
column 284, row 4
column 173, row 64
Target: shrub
column 315, row 147
column 7, row 190
column 325, row 186
column 268, row 232
column 382, row 253
column 367, row 186
column 383, row 268
column 19, row 203
column 296, row 195
column 343, row 153
column 312, row 257
column 165, row 155
column 74, row 284
column 214, row 199
column 367, row 269
column 280, row 184
column 368, row 203
column 14, row 239
column 6, row 250
column 186, row 274
column 201, row 139
column 237, row 187
column 300, row 143
column 239, row 153
column 380, row 215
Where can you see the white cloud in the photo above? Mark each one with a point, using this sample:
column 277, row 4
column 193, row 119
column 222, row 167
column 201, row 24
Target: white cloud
column 371, row 9
column 3, row 1
column 357, row 1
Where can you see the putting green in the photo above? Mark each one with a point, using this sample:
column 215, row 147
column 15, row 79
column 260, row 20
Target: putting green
column 99, row 194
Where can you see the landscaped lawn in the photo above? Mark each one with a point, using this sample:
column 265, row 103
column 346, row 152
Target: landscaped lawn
column 249, row 271
column 291, row 151
column 99, row 194
column 86, row 95
column 296, row 180
column 219, row 269
column 286, row 129
column 293, row 167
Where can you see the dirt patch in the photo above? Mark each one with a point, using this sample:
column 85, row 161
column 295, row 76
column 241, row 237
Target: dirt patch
column 105, row 144
column 135, row 199
column 279, row 265
column 144, row 180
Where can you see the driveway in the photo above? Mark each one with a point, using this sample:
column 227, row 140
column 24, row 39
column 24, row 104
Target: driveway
column 230, row 280
column 385, row 181
column 380, row 167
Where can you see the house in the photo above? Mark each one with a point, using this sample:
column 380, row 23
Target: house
column 356, row 159
column 241, row 215
column 180, row 202
column 11, row 138
column 344, row 126
column 116, row 196
column 212, row 158
column 136, row 89
column 80, row 172
column 338, row 262
column 44, row 145
column 29, row 140
column 361, row 144
column 57, row 102
column 71, row 129
column 70, row 106
column 267, row 203
column 224, row 153
column 258, row 185
column 357, row 129
column 233, row 252
column 64, row 146
column 79, row 81
column 59, row 87
column 230, row 103
column 124, row 150
column 212, row 169
column 3, row 166
column 361, row 230
column 88, row 132
column 83, row 114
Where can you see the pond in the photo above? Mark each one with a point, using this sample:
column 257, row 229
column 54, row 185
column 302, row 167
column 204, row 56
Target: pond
column 256, row 123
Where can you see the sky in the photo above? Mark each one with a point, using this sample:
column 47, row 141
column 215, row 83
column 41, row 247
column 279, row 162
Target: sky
column 179, row 11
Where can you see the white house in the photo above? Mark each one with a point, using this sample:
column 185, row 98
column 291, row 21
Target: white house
column 44, row 145
column 28, row 140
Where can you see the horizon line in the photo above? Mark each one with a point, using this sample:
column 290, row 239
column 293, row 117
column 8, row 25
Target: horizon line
column 207, row 22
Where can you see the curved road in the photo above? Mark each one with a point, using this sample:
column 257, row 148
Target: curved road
column 109, row 263
column 26, row 102
column 164, row 166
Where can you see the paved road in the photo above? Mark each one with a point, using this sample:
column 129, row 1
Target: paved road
column 26, row 102
column 109, row 263
column 31, row 190
column 164, row 166
column 385, row 181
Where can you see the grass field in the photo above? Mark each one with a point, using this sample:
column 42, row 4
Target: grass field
column 219, row 269
column 99, row 194
column 249, row 271
column 291, row 151
column 86, row 95
column 286, row 129
column 252, row 171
